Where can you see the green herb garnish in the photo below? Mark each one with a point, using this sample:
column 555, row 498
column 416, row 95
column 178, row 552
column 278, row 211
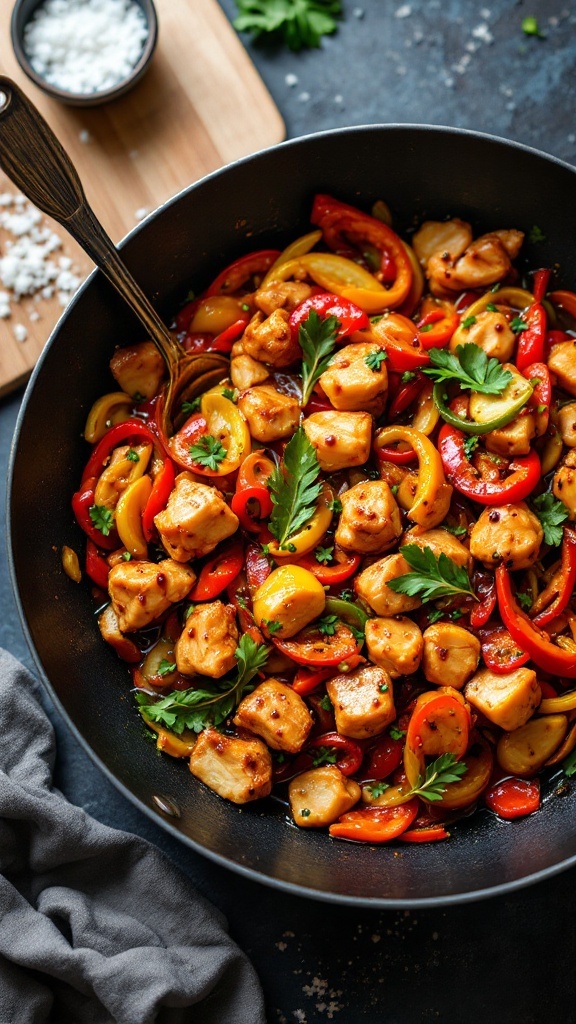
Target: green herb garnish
column 328, row 625
column 165, row 668
column 272, row 626
column 432, row 577
column 471, row 367
column 470, row 445
column 468, row 322
column 377, row 789
column 132, row 455
column 525, row 601
column 535, row 235
column 395, row 733
column 374, row 360
column 551, row 513
column 208, row 451
column 294, row 488
column 517, row 324
column 190, row 407
column 407, row 376
column 439, row 773
column 102, row 518
column 317, row 339
column 569, row 764
column 326, row 703
column 299, row 23
column 324, row 755
column 324, row 555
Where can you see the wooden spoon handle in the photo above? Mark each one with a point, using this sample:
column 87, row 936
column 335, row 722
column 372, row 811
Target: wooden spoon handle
column 35, row 161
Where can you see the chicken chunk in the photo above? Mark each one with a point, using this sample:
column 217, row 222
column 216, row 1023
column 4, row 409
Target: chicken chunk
column 506, row 700
column 110, row 631
column 440, row 542
column 195, row 519
column 270, row 340
column 208, row 641
column 450, row 236
column 562, row 362
column 277, row 714
column 237, row 769
column 141, row 591
column 350, row 382
column 370, row 585
column 484, row 262
column 492, row 333
column 567, row 424
column 509, row 534
column 245, row 372
column 515, row 437
column 341, row 439
column 282, row 295
column 451, row 654
column 270, row 414
column 370, row 522
column 320, row 796
column 363, row 701
column 394, row 644
column 139, row 369
column 564, row 484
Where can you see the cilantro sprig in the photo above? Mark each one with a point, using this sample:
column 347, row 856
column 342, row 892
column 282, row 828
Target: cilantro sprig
column 208, row 451
column 298, row 23
column 102, row 518
column 294, row 488
column 432, row 577
column 551, row 513
column 432, row 785
column 196, row 709
column 317, row 339
column 471, row 367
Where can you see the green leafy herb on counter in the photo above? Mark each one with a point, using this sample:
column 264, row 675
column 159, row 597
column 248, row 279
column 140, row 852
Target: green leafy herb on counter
column 299, row 23
column 294, row 489
column 530, row 27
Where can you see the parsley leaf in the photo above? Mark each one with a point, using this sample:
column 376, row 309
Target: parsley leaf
column 525, row 601
column 435, row 616
column 536, row 235
column 208, row 451
column 374, row 360
column 395, row 733
column 231, row 394
column 407, row 376
column 439, row 773
column 377, row 788
column 471, row 367
column 328, row 625
column 456, row 531
column 102, row 518
column 132, row 455
column 517, row 324
column 196, row 709
column 272, row 626
column 165, row 668
column 326, row 703
column 294, row 489
column 193, row 406
column 551, row 513
column 298, row 22
column 325, row 755
column 470, row 445
column 569, row 764
column 433, row 577
column 317, row 339
column 323, row 555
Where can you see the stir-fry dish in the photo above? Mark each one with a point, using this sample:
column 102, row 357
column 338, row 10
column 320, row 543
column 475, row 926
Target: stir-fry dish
column 346, row 578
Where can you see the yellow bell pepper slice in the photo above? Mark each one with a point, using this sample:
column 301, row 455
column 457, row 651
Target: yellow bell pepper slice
column 227, row 424
column 338, row 275
column 291, row 597
column 310, row 535
column 558, row 705
column 433, row 494
column 129, row 509
column 215, row 314
column 112, row 408
column 298, row 247
column 169, row 743
column 516, row 298
column 120, row 474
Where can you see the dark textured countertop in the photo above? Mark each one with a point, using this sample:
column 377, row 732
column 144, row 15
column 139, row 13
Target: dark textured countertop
column 509, row 959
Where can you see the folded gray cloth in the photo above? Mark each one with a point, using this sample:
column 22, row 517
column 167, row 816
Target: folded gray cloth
column 96, row 925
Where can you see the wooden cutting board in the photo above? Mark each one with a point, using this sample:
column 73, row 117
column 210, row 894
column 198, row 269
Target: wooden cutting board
column 201, row 105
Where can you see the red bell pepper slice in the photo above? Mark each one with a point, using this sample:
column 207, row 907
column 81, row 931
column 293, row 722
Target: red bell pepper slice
column 252, row 505
column 529, row 637
column 403, row 346
column 540, row 400
column 530, row 347
column 307, row 680
column 97, row 567
column 567, row 581
column 351, row 752
column 398, row 458
column 218, row 573
column 257, row 567
column 513, row 798
column 404, row 397
column 345, row 566
column 375, row 824
column 242, row 270
column 224, row 341
column 500, row 652
column 485, row 589
column 120, row 433
column 540, row 283
column 179, row 444
column 426, row 834
column 436, row 328
column 384, row 758
column 350, row 317
column 431, row 715
column 523, row 476
column 343, row 225
column 82, row 502
column 311, row 647
column 161, row 491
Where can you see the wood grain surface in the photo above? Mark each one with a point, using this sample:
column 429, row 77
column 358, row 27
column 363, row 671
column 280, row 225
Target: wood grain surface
column 201, row 105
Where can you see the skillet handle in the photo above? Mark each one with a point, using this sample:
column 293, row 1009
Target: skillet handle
column 33, row 158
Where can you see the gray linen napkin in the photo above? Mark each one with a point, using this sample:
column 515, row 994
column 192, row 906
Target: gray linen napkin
column 96, row 925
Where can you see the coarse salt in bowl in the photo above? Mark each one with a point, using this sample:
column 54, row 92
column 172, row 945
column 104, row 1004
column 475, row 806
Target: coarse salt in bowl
column 84, row 52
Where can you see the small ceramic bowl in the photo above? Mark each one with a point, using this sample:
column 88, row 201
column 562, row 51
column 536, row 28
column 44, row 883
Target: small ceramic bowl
column 22, row 14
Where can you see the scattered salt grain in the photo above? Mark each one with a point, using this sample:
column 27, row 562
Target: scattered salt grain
column 304, row 97
column 4, row 306
column 20, row 332
column 141, row 212
column 483, row 33
column 291, row 80
column 404, row 12
column 358, row 12
column 85, row 46
column 84, row 136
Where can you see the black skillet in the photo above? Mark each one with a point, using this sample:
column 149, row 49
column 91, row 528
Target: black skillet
column 422, row 172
